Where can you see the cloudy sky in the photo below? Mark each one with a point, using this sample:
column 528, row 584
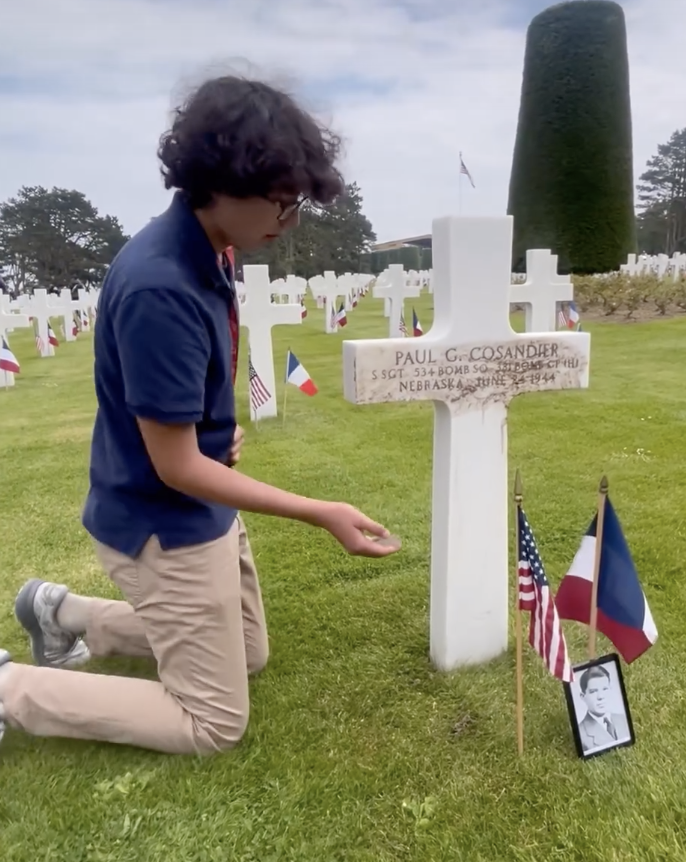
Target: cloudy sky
column 86, row 87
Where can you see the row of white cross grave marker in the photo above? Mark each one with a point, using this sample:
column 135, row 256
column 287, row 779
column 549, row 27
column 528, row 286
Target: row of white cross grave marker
column 659, row 264
column 470, row 364
column 37, row 309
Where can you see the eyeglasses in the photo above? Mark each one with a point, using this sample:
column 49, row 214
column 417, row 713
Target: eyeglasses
column 290, row 210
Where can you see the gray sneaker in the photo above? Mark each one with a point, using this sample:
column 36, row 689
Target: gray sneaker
column 4, row 658
column 36, row 609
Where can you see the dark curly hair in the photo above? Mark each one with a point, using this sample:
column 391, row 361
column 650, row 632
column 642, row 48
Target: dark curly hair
column 243, row 138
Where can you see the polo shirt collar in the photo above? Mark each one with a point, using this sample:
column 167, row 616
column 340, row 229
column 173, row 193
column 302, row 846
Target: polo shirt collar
column 195, row 241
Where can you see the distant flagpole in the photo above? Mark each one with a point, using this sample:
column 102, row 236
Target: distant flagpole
column 600, row 523
column 518, row 494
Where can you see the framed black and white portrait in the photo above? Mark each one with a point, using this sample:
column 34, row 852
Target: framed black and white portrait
column 598, row 707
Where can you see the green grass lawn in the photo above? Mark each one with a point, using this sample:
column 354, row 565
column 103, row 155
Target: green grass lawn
column 349, row 721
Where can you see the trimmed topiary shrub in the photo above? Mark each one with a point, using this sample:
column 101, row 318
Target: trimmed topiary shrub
column 572, row 184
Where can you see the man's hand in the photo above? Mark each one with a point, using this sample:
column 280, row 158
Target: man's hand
column 350, row 527
column 236, row 446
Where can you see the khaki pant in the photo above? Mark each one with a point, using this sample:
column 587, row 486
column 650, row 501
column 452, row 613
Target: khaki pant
column 198, row 611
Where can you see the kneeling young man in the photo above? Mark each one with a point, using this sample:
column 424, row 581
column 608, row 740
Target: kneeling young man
column 163, row 502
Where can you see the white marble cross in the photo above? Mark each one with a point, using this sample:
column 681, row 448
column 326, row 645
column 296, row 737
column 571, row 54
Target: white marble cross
column 40, row 309
column 294, row 288
column 258, row 314
column 8, row 322
column 327, row 288
column 348, row 283
column 393, row 289
column 85, row 305
column 64, row 306
column 541, row 291
column 630, row 267
column 470, row 364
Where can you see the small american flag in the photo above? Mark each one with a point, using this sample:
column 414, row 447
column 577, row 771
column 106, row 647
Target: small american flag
column 259, row 394
column 535, row 596
column 561, row 319
column 334, row 317
column 463, row 170
column 403, row 327
column 40, row 344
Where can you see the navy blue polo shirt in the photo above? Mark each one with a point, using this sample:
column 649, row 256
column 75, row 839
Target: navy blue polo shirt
column 162, row 352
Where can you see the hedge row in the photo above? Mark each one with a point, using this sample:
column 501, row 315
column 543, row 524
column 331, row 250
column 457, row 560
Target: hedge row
column 624, row 296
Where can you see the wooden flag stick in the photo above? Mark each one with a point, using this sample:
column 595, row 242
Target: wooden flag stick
column 518, row 622
column 600, row 523
column 285, row 387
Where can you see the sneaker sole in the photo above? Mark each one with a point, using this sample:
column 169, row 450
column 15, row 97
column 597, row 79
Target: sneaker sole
column 26, row 616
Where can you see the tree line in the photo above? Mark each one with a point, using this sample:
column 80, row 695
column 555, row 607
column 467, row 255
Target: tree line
column 56, row 238
column 661, row 221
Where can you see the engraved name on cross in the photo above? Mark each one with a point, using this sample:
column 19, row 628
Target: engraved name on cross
column 258, row 314
column 471, row 364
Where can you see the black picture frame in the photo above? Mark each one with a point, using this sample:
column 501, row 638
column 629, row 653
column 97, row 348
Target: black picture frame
column 592, row 733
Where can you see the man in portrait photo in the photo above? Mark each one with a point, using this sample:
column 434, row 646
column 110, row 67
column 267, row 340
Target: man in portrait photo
column 600, row 727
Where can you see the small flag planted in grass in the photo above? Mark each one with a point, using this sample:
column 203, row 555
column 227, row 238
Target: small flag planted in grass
column 573, row 317
column 297, row 376
column 341, row 317
column 416, row 325
column 535, row 595
column 259, row 394
column 8, row 361
column 602, row 590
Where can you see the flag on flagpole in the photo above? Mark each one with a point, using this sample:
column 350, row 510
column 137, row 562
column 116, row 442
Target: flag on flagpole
column 40, row 344
column 334, row 317
column 52, row 338
column 355, row 299
column 74, row 325
column 463, row 170
column 296, row 375
column 416, row 325
column 403, row 326
column 259, row 394
column 535, row 596
column 8, row 361
column 303, row 309
column 623, row 613
column 341, row 317
column 561, row 319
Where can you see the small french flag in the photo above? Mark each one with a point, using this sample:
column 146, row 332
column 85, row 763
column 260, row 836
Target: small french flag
column 296, row 375
column 624, row 616
column 52, row 338
column 572, row 316
column 8, row 361
column 341, row 317
column 416, row 325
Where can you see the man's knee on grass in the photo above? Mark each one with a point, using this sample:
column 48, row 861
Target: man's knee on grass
column 214, row 737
